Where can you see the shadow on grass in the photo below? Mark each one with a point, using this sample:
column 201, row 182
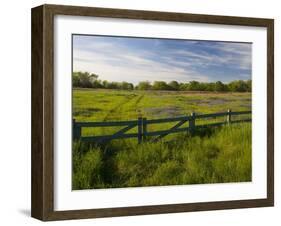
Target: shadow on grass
column 110, row 148
column 108, row 158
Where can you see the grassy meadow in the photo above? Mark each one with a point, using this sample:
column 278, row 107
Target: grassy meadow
column 215, row 155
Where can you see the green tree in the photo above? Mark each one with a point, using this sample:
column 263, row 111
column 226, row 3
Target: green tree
column 238, row 86
column 127, row 86
column 75, row 80
column 174, row 85
column 97, row 84
column 160, row 85
column 145, row 85
column 184, row 86
column 249, row 85
column 84, row 79
column 220, row 87
column 210, row 86
column 105, row 84
column 194, row 86
column 90, row 80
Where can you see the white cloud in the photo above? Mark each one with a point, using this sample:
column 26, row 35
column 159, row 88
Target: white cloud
column 236, row 54
column 116, row 62
column 130, row 67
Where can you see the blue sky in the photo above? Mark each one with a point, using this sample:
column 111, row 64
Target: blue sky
column 144, row 59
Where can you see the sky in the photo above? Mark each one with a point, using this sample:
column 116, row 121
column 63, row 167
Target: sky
column 153, row 59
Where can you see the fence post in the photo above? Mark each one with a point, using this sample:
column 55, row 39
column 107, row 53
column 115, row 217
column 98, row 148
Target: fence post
column 140, row 130
column 228, row 118
column 144, row 129
column 192, row 123
column 76, row 133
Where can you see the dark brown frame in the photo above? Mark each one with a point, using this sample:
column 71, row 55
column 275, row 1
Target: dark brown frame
column 42, row 203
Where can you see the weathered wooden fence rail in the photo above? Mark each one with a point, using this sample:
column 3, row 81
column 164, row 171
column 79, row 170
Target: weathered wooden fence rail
column 142, row 123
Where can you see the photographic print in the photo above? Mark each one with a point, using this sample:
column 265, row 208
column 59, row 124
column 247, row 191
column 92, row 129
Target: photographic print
column 158, row 112
column 142, row 112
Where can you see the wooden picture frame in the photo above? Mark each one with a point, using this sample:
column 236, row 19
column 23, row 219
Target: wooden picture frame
column 42, row 203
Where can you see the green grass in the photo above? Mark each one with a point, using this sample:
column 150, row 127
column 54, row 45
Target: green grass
column 115, row 105
column 108, row 105
column 216, row 155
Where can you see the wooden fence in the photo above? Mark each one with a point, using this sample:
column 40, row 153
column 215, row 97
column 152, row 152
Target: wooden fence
column 142, row 123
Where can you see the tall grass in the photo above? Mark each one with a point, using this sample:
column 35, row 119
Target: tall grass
column 210, row 156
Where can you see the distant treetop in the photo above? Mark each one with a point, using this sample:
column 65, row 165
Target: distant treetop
column 90, row 80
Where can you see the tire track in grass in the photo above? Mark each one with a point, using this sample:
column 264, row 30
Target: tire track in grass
column 117, row 110
column 119, row 106
column 139, row 99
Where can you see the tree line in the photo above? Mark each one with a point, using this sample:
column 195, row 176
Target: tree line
column 90, row 80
